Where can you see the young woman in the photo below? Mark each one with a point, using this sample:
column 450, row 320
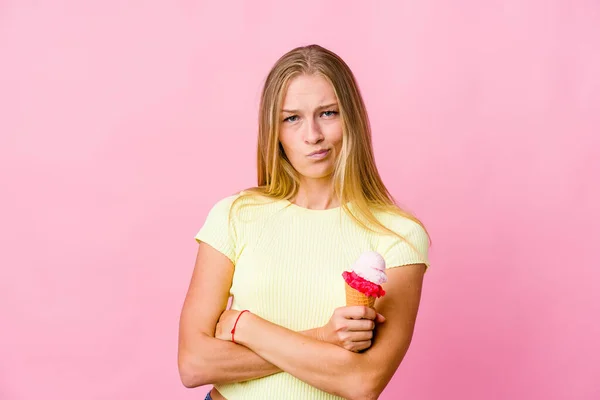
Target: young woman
column 279, row 250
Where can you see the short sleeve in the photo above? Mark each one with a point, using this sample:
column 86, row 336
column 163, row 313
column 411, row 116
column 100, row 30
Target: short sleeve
column 218, row 229
column 413, row 250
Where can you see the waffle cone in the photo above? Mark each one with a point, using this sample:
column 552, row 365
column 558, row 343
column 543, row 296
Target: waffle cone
column 356, row 298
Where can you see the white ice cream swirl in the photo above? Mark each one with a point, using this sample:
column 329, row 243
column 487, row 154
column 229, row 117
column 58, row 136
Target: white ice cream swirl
column 371, row 266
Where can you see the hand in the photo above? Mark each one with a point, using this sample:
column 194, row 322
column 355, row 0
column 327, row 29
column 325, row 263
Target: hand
column 351, row 327
column 225, row 324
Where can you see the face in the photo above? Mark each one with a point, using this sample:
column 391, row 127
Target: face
column 311, row 127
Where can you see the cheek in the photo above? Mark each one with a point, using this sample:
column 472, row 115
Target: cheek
column 334, row 133
column 288, row 147
column 284, row 140
column 336, row 139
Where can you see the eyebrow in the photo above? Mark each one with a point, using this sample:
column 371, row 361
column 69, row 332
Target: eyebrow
column 318, row 108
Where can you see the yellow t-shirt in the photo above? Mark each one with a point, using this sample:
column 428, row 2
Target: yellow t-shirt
column 288, row 269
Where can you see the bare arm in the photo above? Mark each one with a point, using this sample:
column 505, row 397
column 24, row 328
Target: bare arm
column 330, row 368
column 203, row 359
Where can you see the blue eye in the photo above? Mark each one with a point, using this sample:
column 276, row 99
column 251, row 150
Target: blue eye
column 292, row 118
column 329, row 113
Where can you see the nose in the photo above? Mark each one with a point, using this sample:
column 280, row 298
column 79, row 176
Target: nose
column 313, row 134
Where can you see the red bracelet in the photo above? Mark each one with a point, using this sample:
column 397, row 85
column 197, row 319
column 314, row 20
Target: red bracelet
column 234, row 325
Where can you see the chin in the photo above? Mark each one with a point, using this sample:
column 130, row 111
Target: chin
column 320, row 174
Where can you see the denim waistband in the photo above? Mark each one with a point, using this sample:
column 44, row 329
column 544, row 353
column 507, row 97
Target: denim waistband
column 208, row 396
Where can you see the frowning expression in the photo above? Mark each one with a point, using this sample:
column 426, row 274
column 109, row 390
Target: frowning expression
column 310, row 126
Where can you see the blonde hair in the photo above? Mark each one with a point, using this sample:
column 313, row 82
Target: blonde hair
column 355, row 178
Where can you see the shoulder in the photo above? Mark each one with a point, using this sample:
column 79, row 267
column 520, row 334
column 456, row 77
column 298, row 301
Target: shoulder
column 408, row 245
column 401, row 224
column 222, row 206
column 243, row 204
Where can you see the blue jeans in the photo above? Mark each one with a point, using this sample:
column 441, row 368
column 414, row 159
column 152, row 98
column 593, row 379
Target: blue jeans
column 208, row 396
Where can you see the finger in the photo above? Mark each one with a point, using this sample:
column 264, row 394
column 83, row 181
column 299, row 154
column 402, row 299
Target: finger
column 360, row 325
column 348, row 311
column 361, row 336
column 359, row 346
column 360, row 312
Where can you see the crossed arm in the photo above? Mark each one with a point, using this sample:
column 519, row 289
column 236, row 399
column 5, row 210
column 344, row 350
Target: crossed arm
column 265, row 348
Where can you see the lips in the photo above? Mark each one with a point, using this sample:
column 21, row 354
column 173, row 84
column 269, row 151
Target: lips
column 319, row 153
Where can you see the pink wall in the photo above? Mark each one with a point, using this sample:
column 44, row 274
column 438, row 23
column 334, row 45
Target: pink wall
column 122, row 122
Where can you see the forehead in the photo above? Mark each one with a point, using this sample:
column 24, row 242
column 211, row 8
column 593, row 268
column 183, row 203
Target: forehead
column 307, row 90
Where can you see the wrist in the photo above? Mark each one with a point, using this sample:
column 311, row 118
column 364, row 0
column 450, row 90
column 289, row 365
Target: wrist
column 241, row 328
column 320, row 334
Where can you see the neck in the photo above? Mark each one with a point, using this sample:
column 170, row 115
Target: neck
column 316, row 195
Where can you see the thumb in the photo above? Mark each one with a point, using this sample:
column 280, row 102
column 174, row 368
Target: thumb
column 380, row 318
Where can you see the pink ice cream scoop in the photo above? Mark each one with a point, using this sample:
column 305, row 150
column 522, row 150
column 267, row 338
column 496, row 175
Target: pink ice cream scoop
column 364, row 279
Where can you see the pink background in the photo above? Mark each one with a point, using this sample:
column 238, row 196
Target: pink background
column 122, row 122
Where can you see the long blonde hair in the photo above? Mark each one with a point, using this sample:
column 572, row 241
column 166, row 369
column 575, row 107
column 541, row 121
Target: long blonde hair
column 356, row 178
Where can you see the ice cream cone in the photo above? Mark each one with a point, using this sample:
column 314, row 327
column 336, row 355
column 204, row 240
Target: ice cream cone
column 356, row 298
column 363, row 281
